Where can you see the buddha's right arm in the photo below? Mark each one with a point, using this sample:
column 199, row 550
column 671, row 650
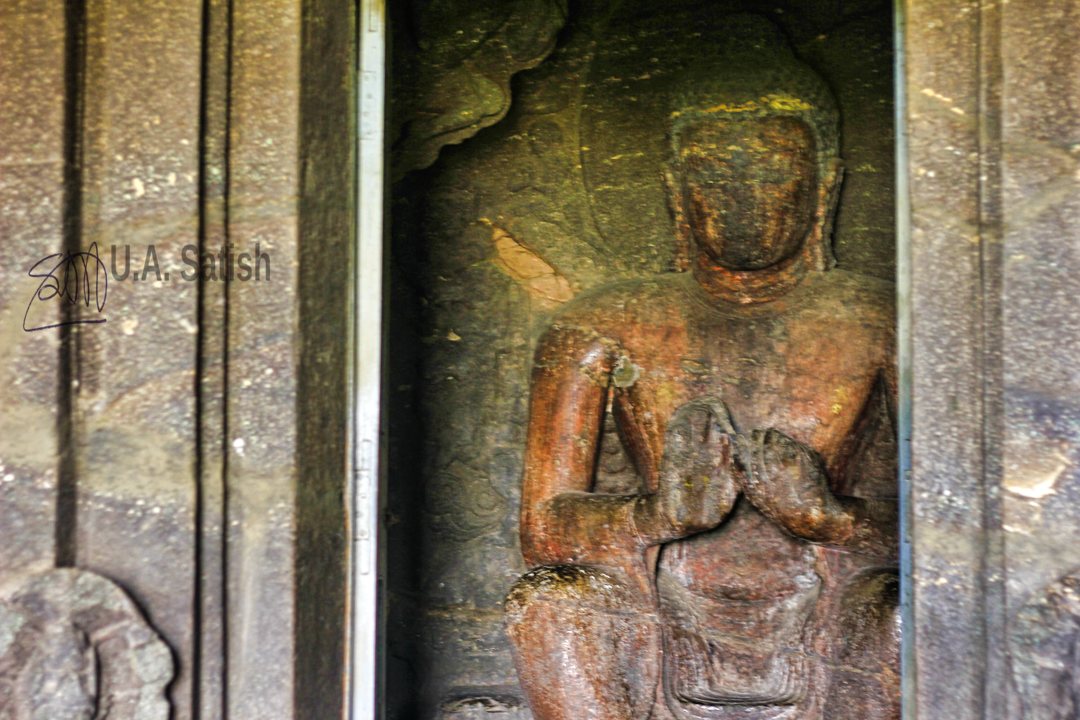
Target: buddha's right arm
column 561, row 521
column 584, row 528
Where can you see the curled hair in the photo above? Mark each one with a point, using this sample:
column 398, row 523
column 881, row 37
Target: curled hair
column 751, row 72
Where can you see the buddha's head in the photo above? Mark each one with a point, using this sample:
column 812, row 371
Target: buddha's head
column 753, row 168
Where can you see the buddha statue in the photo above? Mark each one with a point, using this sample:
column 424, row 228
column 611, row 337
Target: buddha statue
column 754, row 574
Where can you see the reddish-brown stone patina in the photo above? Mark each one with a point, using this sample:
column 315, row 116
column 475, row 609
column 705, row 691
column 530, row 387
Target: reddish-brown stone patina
column 754, row 575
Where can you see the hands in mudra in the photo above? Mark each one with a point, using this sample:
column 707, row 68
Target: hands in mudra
column 707, row 464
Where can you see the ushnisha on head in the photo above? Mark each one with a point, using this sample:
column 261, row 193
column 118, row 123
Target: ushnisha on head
column 754, row 169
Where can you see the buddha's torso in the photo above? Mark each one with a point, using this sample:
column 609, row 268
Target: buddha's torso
column 735, row 600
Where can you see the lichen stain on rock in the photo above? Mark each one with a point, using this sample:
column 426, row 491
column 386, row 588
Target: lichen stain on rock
column 625, row 373
column 532, row 272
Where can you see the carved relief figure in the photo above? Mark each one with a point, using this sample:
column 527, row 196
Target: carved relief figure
column 753, row 576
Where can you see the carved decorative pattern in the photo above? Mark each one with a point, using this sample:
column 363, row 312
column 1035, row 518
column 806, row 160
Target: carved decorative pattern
column 463, row 504
column 459, row 82
column 73, row 646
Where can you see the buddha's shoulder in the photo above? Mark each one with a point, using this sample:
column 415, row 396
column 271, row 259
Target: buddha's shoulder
column 616, row 303
column 863, row 298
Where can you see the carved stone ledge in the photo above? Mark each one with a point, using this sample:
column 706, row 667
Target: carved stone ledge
column 453, row 70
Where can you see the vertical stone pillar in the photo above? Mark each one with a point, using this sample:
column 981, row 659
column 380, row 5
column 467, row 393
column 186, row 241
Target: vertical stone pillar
column 947, row 481
column 992, row 90
column 262, row 334
column 133, row 399
column 32, row 61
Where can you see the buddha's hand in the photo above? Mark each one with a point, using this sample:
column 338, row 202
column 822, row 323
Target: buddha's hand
column 698, row 483
column 786, row 481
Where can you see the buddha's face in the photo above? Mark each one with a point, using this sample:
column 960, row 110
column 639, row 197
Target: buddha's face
column 748, row 188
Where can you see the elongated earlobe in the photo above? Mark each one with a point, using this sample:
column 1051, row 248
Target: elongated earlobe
column 819, row 250
column 682, row 227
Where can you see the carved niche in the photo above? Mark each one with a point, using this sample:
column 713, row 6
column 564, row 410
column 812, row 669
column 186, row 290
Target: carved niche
column 754, row 575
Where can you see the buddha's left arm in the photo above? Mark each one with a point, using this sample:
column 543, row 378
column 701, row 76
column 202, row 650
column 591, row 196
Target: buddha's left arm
column 788, row 483
column 876, row 522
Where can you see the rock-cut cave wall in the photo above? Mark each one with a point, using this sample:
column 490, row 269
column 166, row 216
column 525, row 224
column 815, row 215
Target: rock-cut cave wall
column 528, row 137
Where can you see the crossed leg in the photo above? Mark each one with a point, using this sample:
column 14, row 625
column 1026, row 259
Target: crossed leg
column 588, row 647
column 586, row 644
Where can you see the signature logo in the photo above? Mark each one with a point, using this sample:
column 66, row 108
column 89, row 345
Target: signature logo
column 80, row 281
column 76, row 278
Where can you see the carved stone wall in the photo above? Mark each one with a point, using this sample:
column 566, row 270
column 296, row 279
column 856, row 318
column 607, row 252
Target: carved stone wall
column 994, row 171
column 184, row 446
column 562, row 195
column 187, row 451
